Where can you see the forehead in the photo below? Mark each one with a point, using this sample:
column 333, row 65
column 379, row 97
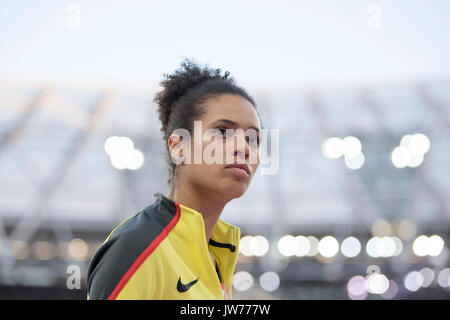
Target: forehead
column 231, row 107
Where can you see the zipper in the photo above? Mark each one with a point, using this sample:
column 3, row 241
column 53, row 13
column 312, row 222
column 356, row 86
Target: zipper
column 206, row 255
column 217, row 270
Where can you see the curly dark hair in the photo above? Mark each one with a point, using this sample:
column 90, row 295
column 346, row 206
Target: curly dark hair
column 180, row 101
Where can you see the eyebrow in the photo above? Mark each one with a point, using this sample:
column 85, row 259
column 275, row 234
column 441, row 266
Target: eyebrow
column 231, row 122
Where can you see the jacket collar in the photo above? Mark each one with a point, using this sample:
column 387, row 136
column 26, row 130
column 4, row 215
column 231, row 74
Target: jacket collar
column 224, row 235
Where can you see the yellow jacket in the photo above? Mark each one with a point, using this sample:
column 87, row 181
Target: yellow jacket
column 161, row 253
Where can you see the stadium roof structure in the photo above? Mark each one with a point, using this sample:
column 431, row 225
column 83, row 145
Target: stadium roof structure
column 54, row 167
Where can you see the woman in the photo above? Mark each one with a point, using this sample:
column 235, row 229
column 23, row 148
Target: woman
column 178, row 247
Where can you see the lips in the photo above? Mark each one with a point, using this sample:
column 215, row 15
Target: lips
column 239, row 166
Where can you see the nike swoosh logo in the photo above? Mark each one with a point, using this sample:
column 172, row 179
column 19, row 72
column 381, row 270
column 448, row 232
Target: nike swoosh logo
column 181, row 287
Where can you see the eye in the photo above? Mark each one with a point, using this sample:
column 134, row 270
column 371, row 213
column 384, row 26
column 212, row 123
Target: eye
column 252, row 139
column 223, row 131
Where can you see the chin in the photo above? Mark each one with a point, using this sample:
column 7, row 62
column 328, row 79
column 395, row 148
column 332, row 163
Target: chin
column 235, row 191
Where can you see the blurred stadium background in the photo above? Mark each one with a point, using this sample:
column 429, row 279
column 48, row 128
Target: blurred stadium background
column 359, row 91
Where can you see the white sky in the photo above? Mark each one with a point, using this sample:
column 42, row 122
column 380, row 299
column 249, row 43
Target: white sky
column 263, row 43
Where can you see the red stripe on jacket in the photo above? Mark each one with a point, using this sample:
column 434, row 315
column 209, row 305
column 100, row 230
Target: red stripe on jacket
column 145, row 254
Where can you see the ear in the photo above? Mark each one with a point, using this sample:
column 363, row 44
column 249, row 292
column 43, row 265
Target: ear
column 176, row 148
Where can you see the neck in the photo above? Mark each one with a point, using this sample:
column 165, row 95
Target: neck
column 208, row 205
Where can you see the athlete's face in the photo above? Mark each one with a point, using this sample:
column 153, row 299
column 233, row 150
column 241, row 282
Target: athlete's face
column 213, row 175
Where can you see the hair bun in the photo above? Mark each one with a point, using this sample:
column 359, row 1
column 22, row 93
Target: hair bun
column 175, row 85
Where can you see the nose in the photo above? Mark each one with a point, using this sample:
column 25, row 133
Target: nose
column 241, row 147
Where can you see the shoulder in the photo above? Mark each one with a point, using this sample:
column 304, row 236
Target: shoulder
column 127, row 247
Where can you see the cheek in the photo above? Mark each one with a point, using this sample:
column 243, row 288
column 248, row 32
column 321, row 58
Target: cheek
column 254, row 168
column 255, row 163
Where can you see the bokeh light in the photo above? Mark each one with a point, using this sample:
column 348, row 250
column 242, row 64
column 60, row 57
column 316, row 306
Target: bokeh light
column 313, row 246
column 431, row 246
column 392, row 290
column 287, row 245
column 435, row 245
column 410, row 152
column 398, row 246
column 259, row 246
column 21, row 250
column 123, row 154
column 243, row 281
column 269, row 281
column 43, row 250
column 356, row 288
column 351, row 146
column 350, row 247
column 428, row 276
column 118, row 145
column 244, row 246
column 78, row 249
column 444, row 278
column 356, row 162
column 333, row 148
column 420, row 246
column 406, row 229
column 413, row 281
column 303, row 246
column 415, row 160
column 371, row 247
column 328, row 246
column 386, row 247
column 400, row 157
column 376, row 283
column 419, row 144
column 135, row 159
column 381, row 228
